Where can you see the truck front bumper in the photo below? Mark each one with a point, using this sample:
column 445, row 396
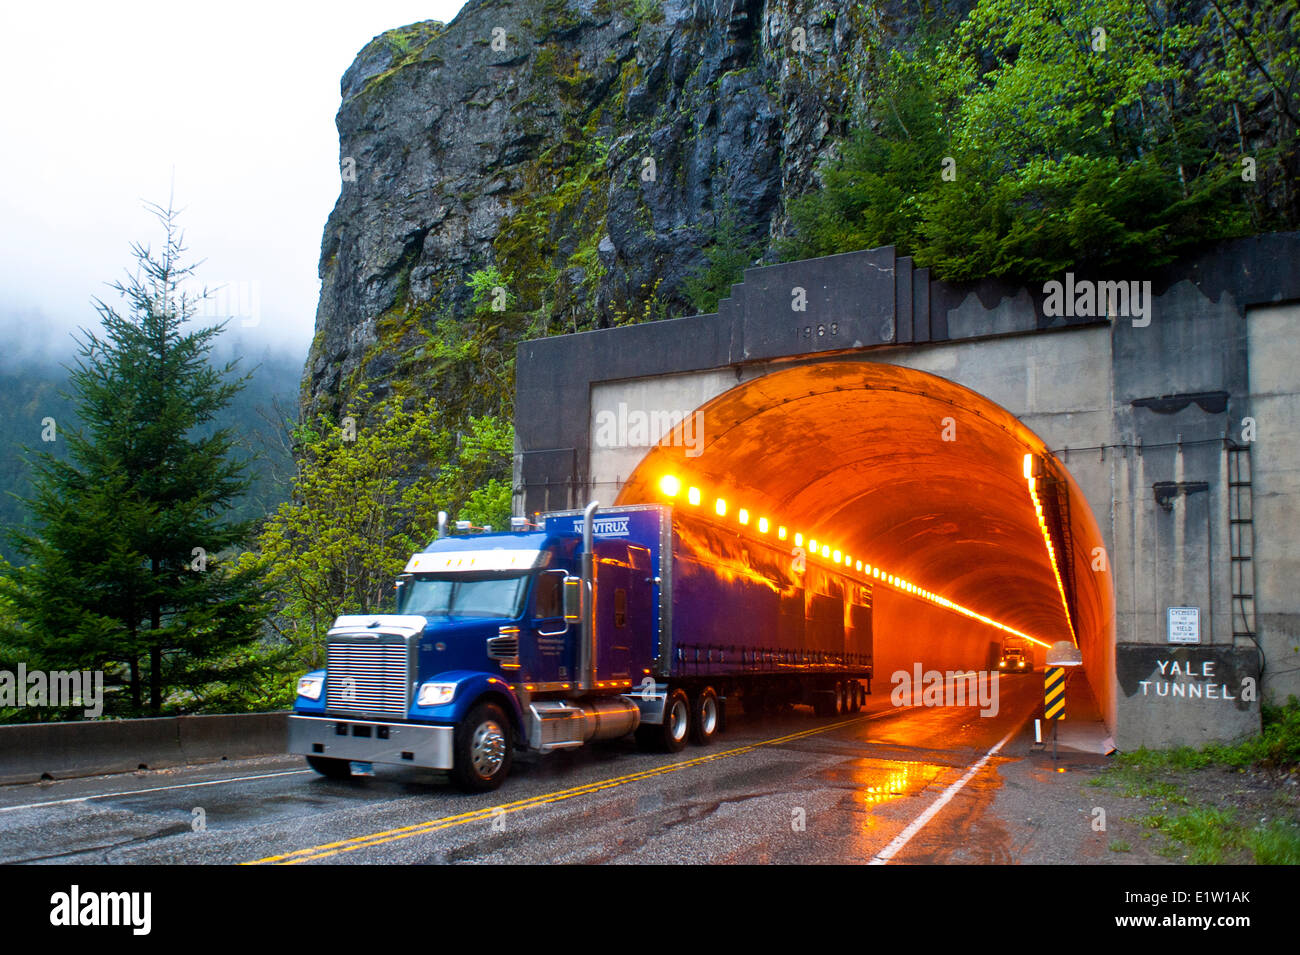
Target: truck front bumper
column 404, row 744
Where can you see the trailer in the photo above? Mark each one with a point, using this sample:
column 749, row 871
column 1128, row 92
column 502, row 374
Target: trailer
column 585, row 625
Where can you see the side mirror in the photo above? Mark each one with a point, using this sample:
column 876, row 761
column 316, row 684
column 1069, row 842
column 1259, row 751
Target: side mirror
column 573, row 599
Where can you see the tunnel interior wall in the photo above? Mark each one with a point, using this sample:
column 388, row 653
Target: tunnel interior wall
column 908, row 630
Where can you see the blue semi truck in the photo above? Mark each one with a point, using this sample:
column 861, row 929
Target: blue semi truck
column 582, row 626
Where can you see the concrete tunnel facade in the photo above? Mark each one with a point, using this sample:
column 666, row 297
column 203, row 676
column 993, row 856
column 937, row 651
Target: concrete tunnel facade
column 826, row 388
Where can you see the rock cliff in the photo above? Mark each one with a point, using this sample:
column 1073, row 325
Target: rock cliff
column 575, row 158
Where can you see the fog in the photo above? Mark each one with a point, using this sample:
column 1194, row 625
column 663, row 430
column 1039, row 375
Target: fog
column 225, row 109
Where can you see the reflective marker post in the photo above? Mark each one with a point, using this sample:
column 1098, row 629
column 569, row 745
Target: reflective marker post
column 1054, row 699
column 1062, row 654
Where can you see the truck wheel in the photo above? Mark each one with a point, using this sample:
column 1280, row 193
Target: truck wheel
column 841, row 699
column 704, row 717
column 669, row 736
column 855, row 696
column 330, row 768
column 484, row 748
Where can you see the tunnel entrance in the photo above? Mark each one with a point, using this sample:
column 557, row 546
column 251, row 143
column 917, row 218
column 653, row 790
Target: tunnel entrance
column 973, row 534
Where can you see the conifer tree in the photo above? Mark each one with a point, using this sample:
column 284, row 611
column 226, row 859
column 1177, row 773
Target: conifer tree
column 130, row 566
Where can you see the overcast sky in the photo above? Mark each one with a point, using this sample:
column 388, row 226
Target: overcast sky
column 108, row 103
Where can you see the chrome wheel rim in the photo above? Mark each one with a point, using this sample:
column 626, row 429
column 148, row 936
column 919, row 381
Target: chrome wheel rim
column 709, row 716
column 488, row 748
column 677, row 725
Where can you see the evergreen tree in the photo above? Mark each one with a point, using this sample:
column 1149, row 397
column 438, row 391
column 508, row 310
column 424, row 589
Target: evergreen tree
column 127, row 569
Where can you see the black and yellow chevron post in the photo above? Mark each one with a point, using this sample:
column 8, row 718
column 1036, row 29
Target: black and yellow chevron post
column 1054, row 693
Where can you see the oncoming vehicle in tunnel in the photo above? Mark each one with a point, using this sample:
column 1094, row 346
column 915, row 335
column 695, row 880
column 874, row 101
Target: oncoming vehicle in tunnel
column 1015, row 659
column 577, row 628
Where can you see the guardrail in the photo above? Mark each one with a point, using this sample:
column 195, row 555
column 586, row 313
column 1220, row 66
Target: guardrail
column 32, row 751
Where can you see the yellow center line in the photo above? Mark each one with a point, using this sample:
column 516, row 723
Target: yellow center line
column 446, row 822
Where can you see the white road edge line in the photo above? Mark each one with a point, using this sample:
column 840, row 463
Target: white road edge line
column 155, row 789
column 917, row 824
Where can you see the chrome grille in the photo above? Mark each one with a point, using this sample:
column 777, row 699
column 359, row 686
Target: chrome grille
column 368, row 678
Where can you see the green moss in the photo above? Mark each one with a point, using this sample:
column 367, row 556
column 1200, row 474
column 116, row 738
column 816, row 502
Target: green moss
column 407, row 45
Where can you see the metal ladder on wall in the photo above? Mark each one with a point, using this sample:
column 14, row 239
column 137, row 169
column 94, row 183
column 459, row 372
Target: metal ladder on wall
column 1241, row 541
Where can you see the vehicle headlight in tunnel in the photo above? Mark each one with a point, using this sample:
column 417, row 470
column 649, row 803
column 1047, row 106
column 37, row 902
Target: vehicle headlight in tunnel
column 311, row 687
column 1002, row 663
column 435, row 694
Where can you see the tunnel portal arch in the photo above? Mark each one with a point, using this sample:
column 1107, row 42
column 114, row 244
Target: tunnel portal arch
column 912, row 475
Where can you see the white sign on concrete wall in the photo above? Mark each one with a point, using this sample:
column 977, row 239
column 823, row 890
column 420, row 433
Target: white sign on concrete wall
column 1184, row 624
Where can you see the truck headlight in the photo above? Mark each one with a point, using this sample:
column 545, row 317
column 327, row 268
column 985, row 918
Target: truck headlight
column 311, row 686
column 435, row 694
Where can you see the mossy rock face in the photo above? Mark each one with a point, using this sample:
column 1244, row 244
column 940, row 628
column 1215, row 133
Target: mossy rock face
column 583, row 148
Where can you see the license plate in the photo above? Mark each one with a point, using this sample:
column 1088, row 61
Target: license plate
column 361, row 769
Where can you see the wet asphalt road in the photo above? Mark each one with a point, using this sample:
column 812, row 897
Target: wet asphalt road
column 793, row 788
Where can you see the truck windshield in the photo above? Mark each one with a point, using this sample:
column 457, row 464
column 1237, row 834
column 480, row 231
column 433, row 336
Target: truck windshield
column 464, row 595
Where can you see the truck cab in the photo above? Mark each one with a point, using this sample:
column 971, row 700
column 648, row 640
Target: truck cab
column 1014, row 660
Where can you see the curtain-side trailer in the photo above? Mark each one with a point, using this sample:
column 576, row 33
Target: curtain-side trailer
column 587, row 625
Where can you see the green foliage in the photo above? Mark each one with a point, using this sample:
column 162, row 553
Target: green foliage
column 1276, row 747
column 549, row 244
column 1207, row 833
column 364, row 501
column 1211, row 834
column 1025, row 142
column 406, row 46
column 131, row 566
column 726, row 258
column 645, row 11
column 1276, row 842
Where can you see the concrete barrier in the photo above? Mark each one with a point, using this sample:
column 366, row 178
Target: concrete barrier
column 30, row 751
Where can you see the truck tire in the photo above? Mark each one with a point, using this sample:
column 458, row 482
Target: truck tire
column 855, row 696
column 705, row 717
column 841, row 699
column 671, row 735
column 330, row 768
column 483, row 749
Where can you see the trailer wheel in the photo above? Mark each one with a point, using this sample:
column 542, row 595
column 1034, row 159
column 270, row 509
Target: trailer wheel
column 841, row 699
column 855, row 696
column 484, row 747
column 705, row 717
column 330, row 768
column 670, row 735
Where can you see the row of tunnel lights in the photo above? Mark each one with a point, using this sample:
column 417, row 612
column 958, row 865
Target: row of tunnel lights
column 1047, row 539
column 671, row 486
